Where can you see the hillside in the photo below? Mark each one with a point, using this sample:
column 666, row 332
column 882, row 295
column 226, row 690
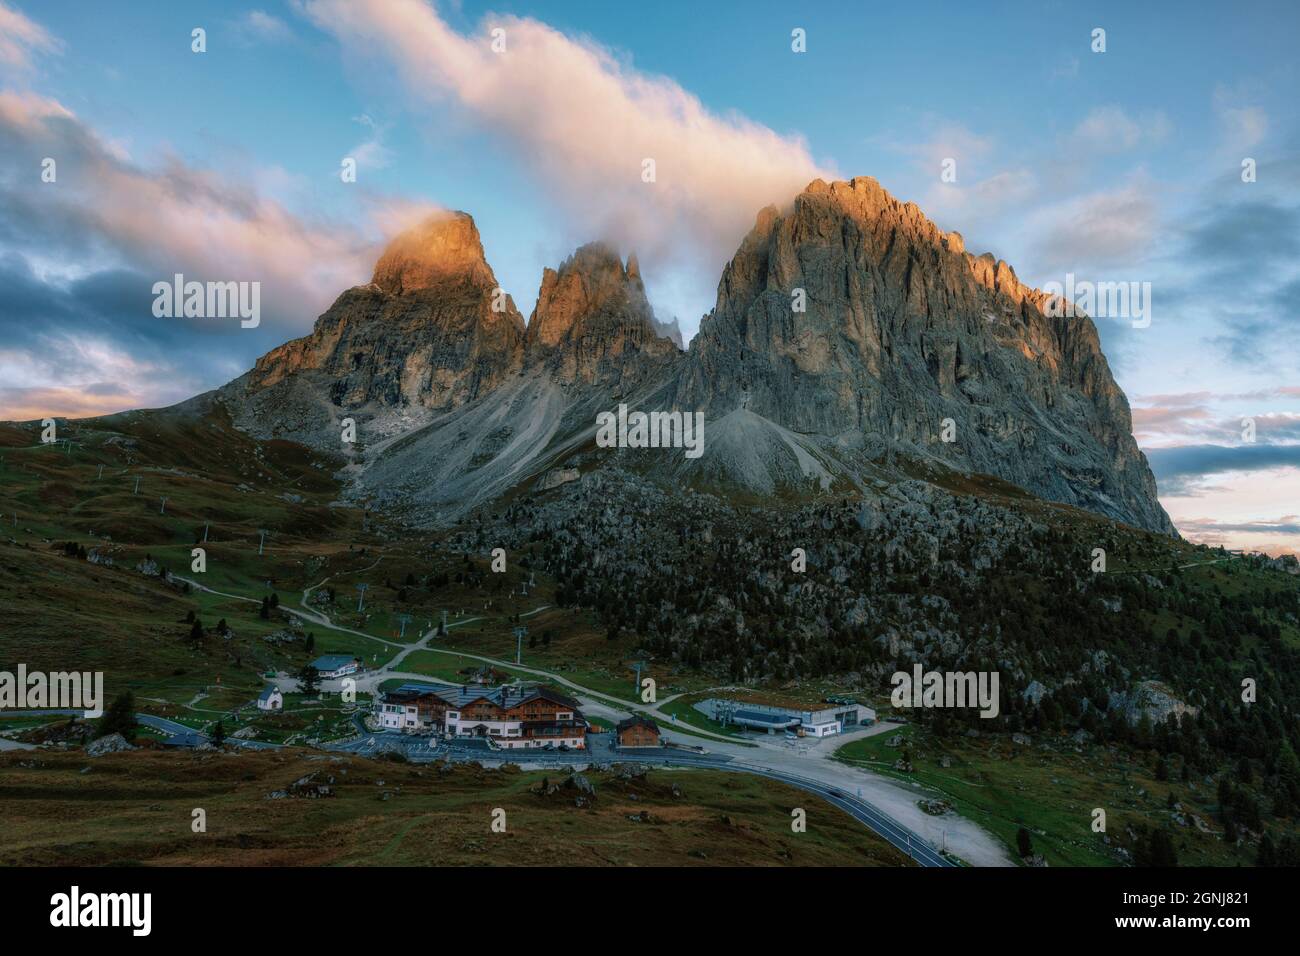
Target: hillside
column 827, row 537
column 973, row 575
column 136, row 808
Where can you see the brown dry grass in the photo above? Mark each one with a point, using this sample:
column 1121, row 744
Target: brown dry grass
column 137, row 808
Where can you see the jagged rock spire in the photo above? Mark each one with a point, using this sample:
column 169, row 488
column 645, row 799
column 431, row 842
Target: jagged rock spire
column 902, row 331
column 593, row 321
column 432, row 329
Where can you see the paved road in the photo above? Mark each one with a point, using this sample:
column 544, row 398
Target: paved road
column 424, row 749
column 900, row 836
column 149, row 720
column 370, row 680
column 897, row 834
column 175, row 727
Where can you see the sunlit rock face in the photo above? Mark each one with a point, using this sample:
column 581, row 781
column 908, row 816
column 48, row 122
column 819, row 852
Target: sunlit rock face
column 851, row 340
column 903, row 329
column 593, row 322
column 432, row 329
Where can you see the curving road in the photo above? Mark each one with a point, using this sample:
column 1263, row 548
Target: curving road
column 423, row 749
column 900, row 836
column 426, row 749
column 888, row 827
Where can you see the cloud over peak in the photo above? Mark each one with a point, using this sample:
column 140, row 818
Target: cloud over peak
column 79, row 255
column 584, row 122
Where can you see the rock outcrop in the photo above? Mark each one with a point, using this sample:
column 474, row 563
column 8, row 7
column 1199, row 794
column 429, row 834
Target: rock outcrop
column 593, row 323
column 903, row 331
column 111, row 744
column 852, row 341
column 1151, row 699
column 432, row 330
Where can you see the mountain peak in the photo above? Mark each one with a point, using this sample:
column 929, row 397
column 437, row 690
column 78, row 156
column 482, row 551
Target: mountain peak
column 591, row 282
column 849, row 313
column 443, row 247
column 877, row 212
column 593, row 313
column 600, row 259
column 431, row 330
column 848, row 329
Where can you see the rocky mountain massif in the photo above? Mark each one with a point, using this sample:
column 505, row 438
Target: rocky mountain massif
column 849, row 335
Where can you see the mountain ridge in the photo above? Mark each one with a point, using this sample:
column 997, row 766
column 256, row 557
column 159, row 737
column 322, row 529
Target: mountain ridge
column 898, row 315
column 899, row 336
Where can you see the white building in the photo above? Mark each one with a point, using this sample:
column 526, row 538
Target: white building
column 398, row 710
column 270, row 699
column 334, row 666
column 509, row 717
column 838, row 716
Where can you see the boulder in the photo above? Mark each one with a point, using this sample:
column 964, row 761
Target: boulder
column 111, row 744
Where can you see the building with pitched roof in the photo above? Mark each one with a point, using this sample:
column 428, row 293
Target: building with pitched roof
column 270, row 698
column 637, row 731
column 510, row 716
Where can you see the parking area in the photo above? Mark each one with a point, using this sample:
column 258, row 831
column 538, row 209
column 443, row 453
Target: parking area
column 420, row 748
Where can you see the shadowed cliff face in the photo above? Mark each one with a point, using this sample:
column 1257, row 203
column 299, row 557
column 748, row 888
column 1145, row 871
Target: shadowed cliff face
column 901, row 330
column 904, row 329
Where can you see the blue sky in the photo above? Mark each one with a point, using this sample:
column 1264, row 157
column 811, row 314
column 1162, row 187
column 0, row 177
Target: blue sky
column 1123, row 165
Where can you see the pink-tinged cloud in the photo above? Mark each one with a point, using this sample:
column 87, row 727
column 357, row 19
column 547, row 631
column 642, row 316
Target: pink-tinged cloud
column 1157, row 415
column 1201, row 398
column 1178, row 398
column 1245, row 507
column 34, row 404
column 103, row 211
column 178, row 218
column 583, row 121
column 87, row 377
column 1190, row 418
column 22, row 39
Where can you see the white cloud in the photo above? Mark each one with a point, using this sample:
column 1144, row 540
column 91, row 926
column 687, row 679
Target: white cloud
column 371, row 153
column 946, row 140
column 1099, row 230
column 582, row 121
column 987, row 199
column 21, row 38
column 260, row 25
column 976, row 209
column 1244, row 127
column 1110, row 129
